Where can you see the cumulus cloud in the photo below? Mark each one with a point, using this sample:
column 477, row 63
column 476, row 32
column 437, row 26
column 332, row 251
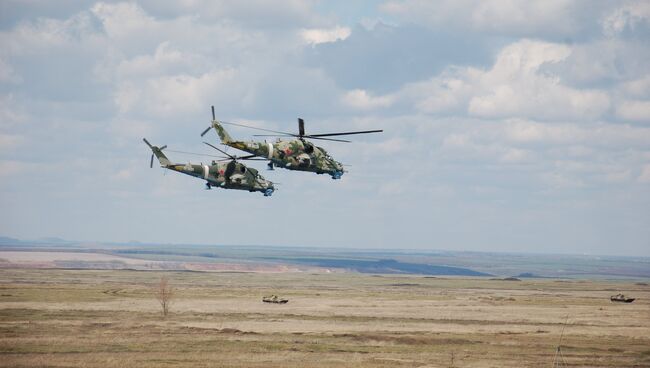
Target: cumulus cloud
column 554, row 19
column 11, row 113
column 385, row 57
column 122, row 20
column 316, row 36
column 629, row 15
column 171, row 95
column 639, row 87
column 644, row 177
column 164, row 60
column 252, row 14
column 466, row 147
column 515, row 86
column 7, row 73
column 10, row 142
column 634, row 111
column 360, row 99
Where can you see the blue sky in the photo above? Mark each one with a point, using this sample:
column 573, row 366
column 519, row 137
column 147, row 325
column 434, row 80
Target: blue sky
column 508, row 125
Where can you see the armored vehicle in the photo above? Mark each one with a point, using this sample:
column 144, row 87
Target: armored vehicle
column 621, row 298
column 274, row 299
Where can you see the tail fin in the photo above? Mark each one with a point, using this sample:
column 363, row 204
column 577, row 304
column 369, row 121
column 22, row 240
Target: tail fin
column 157, row 151
column 164, row 161
column 216, row 124
column 223, row 134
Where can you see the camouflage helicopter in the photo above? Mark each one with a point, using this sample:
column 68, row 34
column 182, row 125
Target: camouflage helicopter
column 227, row 175
column 296, row 154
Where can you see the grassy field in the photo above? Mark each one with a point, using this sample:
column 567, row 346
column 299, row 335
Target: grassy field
column 85, row 318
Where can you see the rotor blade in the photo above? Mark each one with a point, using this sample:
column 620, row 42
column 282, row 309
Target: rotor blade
column 264, row 130
column 147, row 142
column 213, row 118
column 220, row 150
column 163, row 147
column 346, row 133
column 194, row 153
column 205, row 131
column 301, row 127
column 151, row 162
column 307, row 136
column 269, row 135
column 327, row 139
column 248, row 157
column 244, row 158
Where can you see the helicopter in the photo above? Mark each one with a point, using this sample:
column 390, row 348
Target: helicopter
column 227, row 175
column 297, row 154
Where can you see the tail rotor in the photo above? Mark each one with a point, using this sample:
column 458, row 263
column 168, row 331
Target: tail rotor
column 152, row 149
column 210, row 127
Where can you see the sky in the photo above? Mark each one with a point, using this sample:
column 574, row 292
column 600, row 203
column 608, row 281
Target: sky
column 519, row 126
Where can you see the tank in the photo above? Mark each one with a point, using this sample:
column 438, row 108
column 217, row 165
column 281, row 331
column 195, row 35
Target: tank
column 621, row 298
column 274, row 299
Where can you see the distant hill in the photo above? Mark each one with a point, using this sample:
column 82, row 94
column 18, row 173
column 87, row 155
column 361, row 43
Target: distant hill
column 388, row 261
column 388, row 266
column 5, row 240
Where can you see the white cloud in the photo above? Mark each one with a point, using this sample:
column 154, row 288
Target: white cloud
column 515, row 156
column 443, row 94
column 124, row 20
column 559, row 180
column 525, row 17
column 122, row 174
column 9, row 142
column 618, row 176
column 124, row 130
column 11, row 114
column 634, row 111
column 163, row 59
column 316, row 36
column 516, row 86
column 576, row 136
column 11, row 168
column 173, row 95
column 644, row 177
column 638, row 87
column 525, row 131
column 360, row 99
column 127, row 97
column 471, row 148
column 253, row 13
column 503, row 17
column 7, row 74
column 627, row 16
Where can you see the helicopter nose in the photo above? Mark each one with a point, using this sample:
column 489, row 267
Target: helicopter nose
column 337, row 175
column 268, row 191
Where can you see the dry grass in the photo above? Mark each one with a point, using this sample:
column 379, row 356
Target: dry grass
column 58, row 318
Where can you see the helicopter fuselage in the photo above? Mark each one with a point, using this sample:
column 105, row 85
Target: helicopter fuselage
column 295, row 154
column 227, row 175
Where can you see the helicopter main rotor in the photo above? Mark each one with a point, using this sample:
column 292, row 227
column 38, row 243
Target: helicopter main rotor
column 301, row 131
